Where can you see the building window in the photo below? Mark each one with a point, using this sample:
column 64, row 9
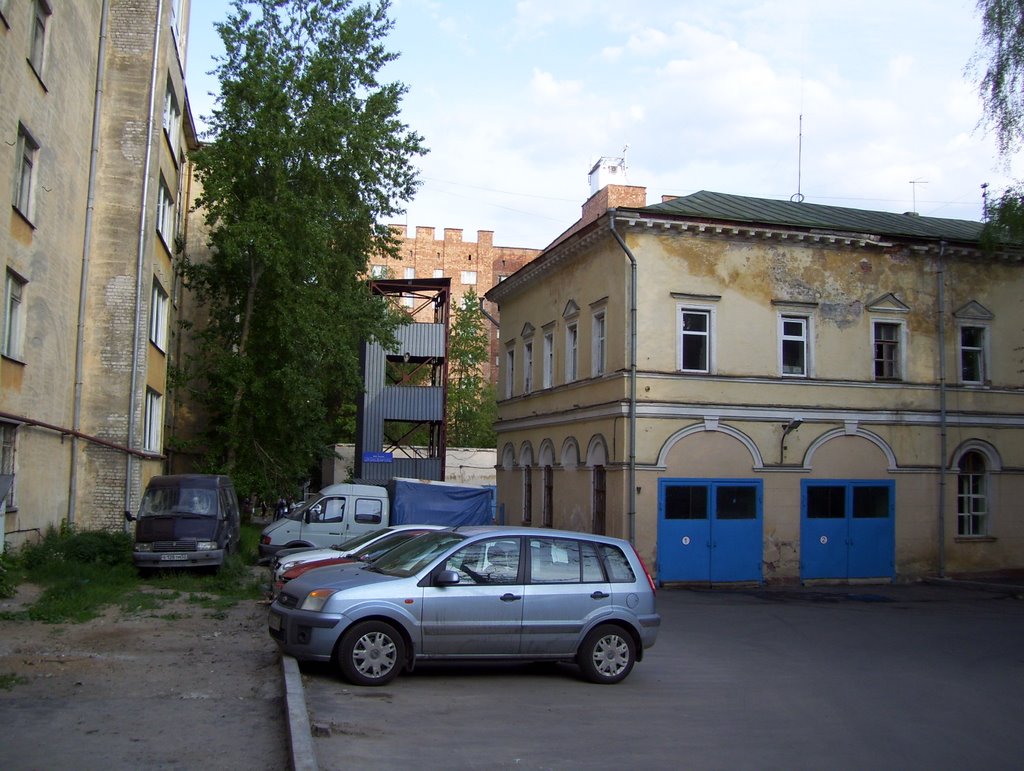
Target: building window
column 172, row 114
column 973, row 367
column 438, row 273
column 8, row 433
column 378, row 271
column 527, row 495
column 153, row 428
column 468, row 277
column 694, row 340
column 165, row 214
column 528, row 366
column 600, row 483
column 549, row 359
column 37, row 47
column 972, row 495
column 14, row 316
column 158, row 317
column 548, row 501
column 793, row 345
column 510, row 371
column 571, row 351
column 887, row 350
column 25, row 182
column 598, row 345
column 410, row 273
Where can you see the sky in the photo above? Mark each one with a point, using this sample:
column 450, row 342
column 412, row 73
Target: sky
column 870, row 104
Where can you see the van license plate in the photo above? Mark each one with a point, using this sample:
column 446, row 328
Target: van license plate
column 275, row 622
column 180, row 557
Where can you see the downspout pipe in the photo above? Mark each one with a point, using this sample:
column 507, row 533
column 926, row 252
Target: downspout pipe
column 631, row 514
column 940, row 274
column 140, row 265
column 83, row 287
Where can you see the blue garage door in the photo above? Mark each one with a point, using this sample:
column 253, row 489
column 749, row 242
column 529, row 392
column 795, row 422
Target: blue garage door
column 709, row 530
column 847, row 529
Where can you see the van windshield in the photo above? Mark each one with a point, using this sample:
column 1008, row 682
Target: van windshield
column 195, row 501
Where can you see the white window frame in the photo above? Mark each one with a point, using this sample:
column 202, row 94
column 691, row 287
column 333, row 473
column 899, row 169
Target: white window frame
column 972, row 499
column 154, row 423
column 39, row 36
column 899, row 359
column 681, row 335
column 572, row 351
column 8, row 456
column 981, row 352
column 438, row 273
column 14, row 316
column 158, row 316
column 28, row 171
column 803, row 340
column 598, row 345
column 378, row 271
column 548, row 373
column 527, row 366
column 165, row 213
column 172, row 115
column 409, row 273
column 510, row 371
column 468, row 277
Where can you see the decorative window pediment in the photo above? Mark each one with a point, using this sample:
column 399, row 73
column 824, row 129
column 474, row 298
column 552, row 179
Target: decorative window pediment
column 974, row 310
column 528, row 330
column 888, row 303
column 571, row 309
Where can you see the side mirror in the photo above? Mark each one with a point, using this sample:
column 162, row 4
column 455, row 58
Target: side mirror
column 446, row 578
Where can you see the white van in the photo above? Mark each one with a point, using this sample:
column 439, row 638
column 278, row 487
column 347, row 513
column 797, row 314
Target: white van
column 337, row 513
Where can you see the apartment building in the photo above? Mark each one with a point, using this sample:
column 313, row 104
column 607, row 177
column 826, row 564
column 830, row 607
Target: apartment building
column 766, row 391
column 96, row 126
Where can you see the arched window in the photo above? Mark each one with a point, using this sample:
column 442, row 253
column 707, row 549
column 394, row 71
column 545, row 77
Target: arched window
column 972, row 495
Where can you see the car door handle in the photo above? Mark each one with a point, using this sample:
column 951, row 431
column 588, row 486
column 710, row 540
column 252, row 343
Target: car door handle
column 599, row 595
column 509, row 597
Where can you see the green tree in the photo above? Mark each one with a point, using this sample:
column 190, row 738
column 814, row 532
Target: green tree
column 307, row 156
column 472, row 404
column 999, row 63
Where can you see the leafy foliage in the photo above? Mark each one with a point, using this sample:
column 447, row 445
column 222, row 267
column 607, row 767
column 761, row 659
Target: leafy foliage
column 472, row 406
column 307, row 158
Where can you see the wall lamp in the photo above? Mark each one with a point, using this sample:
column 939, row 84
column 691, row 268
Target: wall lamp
column 787, row 428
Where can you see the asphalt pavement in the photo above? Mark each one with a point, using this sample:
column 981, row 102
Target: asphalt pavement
column 925, row 675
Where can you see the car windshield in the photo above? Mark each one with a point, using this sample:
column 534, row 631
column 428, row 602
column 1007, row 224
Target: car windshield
column 387, row 543
column 161, row 501
column 415, row 554
column 353, row 544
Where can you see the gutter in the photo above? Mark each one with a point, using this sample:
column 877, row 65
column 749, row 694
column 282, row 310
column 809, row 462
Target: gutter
column 631, row 514
column 140, row 263
column 83, row 288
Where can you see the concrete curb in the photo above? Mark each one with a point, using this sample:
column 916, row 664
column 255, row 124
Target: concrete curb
column 300, row 735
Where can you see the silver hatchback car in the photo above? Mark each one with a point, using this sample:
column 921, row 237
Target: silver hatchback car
column 476, row 593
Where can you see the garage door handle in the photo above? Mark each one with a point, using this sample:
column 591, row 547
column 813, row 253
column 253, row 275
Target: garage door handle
column 599, row 595
column 509, row 597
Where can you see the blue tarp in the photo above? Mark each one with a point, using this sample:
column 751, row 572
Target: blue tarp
column 419, row 502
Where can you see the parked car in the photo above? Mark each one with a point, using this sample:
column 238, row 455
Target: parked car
column 478, row 593
column 286, row 559
column 364, row 553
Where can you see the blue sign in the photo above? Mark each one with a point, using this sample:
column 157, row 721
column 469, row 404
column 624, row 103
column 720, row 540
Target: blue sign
column 378, row 457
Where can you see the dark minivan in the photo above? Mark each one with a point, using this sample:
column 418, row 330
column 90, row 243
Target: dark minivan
column 186, row 521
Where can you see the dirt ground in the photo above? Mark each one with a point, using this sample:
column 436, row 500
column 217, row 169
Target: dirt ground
column 180, row 687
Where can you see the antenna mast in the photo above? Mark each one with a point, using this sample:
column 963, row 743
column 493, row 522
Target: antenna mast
column 798, row 197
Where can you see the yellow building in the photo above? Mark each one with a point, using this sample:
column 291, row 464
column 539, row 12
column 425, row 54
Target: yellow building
column 760, row 390
column 96, row 125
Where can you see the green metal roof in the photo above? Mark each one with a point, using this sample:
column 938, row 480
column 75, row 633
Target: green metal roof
column 766, row 211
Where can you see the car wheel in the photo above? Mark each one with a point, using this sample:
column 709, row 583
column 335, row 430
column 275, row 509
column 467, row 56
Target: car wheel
column 607, row 655
column 371, row 653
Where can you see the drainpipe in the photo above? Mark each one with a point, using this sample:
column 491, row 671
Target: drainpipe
column 140, row 264
column 631, row 514
column 487, row 315
column 941, row 323
column 83, row 287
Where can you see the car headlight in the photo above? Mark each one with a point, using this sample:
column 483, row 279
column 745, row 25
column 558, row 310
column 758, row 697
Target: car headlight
column 143, row 547
column 316, row 599
column 206, row 545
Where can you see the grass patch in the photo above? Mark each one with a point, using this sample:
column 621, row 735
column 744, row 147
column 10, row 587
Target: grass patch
column 82, row 573
column 8, row 680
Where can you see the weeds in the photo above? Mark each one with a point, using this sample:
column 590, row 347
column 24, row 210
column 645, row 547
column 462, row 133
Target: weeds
column 8, row 680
